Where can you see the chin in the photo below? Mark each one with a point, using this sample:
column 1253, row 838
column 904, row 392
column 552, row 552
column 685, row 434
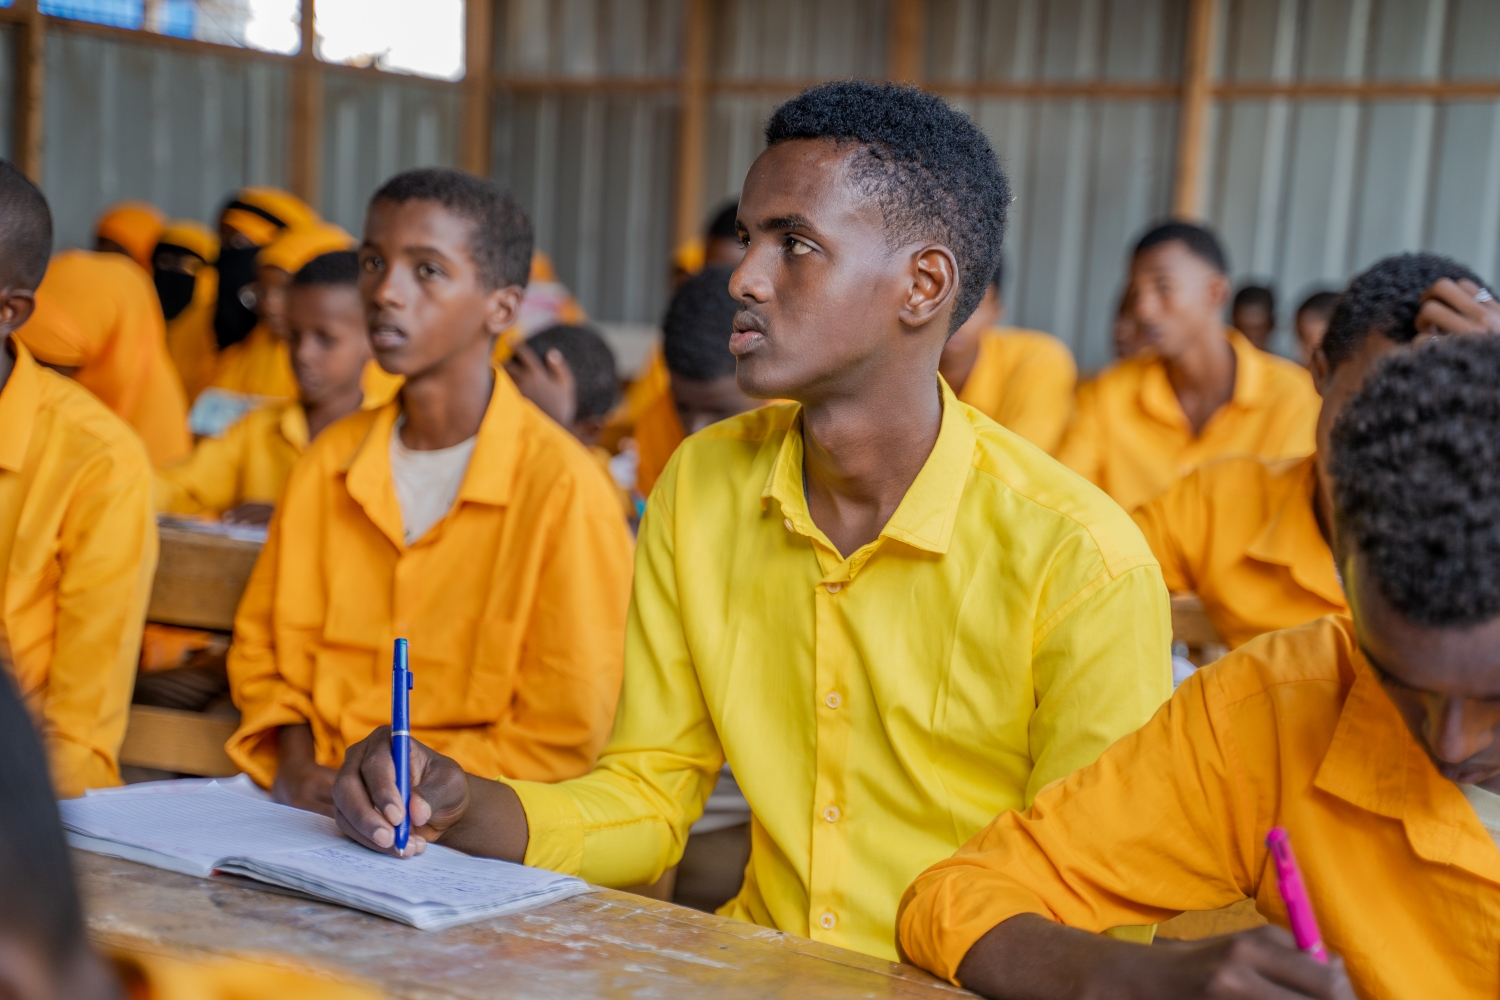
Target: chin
column 759, row 380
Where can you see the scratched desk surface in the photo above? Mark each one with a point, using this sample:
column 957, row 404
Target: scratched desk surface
column 604, row 944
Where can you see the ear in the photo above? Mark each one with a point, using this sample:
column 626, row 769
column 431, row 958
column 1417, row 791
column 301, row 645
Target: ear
column 1219, row 290
column 501, row 307
column 16, row 307
column 1320, row 369
column 933, row 284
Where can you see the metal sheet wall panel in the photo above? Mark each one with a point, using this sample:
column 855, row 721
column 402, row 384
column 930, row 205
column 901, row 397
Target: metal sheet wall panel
column 126, row 120
column 8, row 36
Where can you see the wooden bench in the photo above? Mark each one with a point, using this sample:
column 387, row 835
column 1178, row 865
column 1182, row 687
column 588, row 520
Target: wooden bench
column 1191, row 628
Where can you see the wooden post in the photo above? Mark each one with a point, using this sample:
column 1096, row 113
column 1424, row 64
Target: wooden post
column 906, row 50
column 305, row 140
column 31, row 85
column 1192, row 125
column 692, row 122
column 479, row 73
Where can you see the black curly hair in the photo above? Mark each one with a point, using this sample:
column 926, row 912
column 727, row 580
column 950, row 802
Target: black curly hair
column 699, row 321
column 501, row 242
column 1416, row 473
column 928, row 166
column 596, row 383
column 1199, row 240
column 337, row 267
column 25, row 229
column 1386, row 298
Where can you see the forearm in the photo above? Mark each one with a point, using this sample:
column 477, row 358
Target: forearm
column 493, row 826
column 1028, row 957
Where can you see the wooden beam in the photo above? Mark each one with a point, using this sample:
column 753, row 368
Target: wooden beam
column 1361, row 90
column 31, row 86
column 1192, row 122
column 906, row 49
column 305, row 138
column 692, row 122
column 475, row 140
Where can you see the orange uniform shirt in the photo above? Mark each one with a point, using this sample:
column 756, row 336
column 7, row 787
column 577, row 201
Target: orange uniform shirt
column 1241, row 534
column 1131, row 438
column 1024, row 380
column 152, row 976
column 652, row 416
column 259, row 365
column 249, row 464
column 514, row 603
column 1291, row 730
column 77, row 557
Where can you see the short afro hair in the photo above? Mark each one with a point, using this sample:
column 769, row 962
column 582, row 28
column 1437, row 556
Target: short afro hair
column 340, row 267
column 1319, row 304
column 502, row 240
column 928, row 166
column 1416, row 472
column 1386, row 299
column 25, row 229
column 698, row 324
column 723, row 225
column 1255, row 296
column 595, row 379
column 1199, row 240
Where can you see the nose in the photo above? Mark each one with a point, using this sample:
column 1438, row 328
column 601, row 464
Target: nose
column 749, row 282
column 1455, row 730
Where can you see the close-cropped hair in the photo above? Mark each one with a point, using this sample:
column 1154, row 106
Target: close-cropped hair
column 1255, row 295
column 926, row 165
column 1385, row 299
column 25, row 229
column 1319, row 304
column 502, row 239
column 1416, row 472
column 698, row 324
column 722, row 225
column 596, row 381
column 1200, row 241
column 340, row 267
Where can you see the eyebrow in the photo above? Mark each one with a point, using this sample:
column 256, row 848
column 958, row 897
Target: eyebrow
column 786, row 222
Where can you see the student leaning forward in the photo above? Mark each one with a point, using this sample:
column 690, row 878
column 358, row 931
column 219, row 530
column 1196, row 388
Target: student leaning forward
column 891, row 616
column 1373, row 739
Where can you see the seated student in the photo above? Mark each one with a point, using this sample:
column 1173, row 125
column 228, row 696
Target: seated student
column 1250, row 535
column 457, row 516
column 77, row 537
column 239, row 476
column 1023, row 380
column 97, row 319
column 131, row 228
column 1312, row 323
column 1254, row 314
column 892, row 618
column 187, row 284
column 44, row 952
column 719, row 244
column 1372, row 741
column 695, row 348
column 1198, row 392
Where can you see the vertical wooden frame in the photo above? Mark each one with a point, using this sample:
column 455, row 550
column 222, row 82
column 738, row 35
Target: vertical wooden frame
column 692, row 129
column 31, row 82
column 1196, row 103
column 906, row 47
column 475, row 140
column 305, row 139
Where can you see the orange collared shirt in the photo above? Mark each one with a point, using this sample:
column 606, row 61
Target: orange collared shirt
column 1023, row 380
column 259, row 365
column 249, row 464
column 1241, row 534
column 152, row 975
column 1131, row 438
column 514, row 603
column 77, row 557
column 1292, row 730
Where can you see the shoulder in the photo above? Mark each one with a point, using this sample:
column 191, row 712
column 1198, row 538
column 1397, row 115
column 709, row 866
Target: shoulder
column 1120, row 380
column 88, row 430
column 1239, row 477
column 1031, row 345
column 726, row 445
column 333, row 449
column 1319, row 654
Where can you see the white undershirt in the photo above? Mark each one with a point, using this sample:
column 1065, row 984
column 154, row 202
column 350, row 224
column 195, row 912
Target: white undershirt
column 1487, row 807
column 426, row 482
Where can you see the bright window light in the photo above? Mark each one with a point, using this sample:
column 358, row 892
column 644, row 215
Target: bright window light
column 425, row 38
column 273, row 26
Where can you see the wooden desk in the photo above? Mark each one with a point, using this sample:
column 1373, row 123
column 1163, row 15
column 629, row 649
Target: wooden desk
column 605, row 944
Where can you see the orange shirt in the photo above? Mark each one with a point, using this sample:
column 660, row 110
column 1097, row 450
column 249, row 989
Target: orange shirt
column 259, row 365
column 652, row 414
column 249, row 464
column 1293, row 730
column 1023, row 380
column 514, row 603
column 77, row 557
column 1241, row 534
column 149, row 975
column 1131, row 438
column 190, row 336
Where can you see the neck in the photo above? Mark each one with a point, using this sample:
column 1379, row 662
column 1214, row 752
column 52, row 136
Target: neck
column 7, row 360
column 862, row 453
column 957, row 366
column 1203, row 376
column 445, row 405
column 321, row 413
column 1322, row 505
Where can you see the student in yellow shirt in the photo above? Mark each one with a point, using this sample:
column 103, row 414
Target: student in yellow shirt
column 130, row 228
column 77, row 536
column 457, row 516
column 1254, row 314
column 1374, row 741
column 1021, row 379
column 1250, row 535
column 890, row 617
column 1199, row 392
column 188, row 285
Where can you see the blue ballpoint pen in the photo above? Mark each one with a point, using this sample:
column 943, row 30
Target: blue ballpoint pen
column 401, row 684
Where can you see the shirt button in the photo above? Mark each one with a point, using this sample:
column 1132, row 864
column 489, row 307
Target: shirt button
column 832, row 699
column 828, row 921
column 834, row 588
column 831, row 814
column 788, row 522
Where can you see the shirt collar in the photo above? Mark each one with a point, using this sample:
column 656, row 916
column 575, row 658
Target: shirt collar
column 293, row 426
column 18, row 405
column 927, row 513
column 1292, row 538
column 1157, row 397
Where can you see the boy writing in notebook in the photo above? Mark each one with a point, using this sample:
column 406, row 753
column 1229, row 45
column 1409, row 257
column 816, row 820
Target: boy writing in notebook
column 77, row 536
column 1374, row 740
column 457, row 516
column 890, row 617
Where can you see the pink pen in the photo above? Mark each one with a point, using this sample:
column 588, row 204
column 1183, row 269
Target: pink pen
column 1294, row 894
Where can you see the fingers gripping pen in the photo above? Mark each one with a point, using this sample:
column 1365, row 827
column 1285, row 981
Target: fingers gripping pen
column 401, row 685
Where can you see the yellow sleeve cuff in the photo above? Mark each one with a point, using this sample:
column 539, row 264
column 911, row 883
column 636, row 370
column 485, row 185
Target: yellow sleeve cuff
column 554, row 827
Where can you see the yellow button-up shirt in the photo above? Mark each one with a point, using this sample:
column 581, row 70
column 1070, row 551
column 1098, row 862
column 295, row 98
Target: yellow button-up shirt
column 1241, row 534
column 1007, row 625
column 1131, row 438
column 249, row 464
column 1024, row 381
column 77, row 557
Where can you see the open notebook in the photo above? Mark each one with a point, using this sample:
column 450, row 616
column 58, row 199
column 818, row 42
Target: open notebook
column 204, row 828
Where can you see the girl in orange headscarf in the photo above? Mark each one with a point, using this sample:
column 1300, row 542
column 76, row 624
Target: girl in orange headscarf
column 97, row 319
column 131, row 228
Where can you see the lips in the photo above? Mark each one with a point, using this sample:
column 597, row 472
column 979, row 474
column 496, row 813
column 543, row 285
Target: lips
column 386, row 336
column 749, row 333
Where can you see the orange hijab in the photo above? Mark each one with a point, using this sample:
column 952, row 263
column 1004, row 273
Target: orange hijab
column 134, row 225
column 98, row 313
